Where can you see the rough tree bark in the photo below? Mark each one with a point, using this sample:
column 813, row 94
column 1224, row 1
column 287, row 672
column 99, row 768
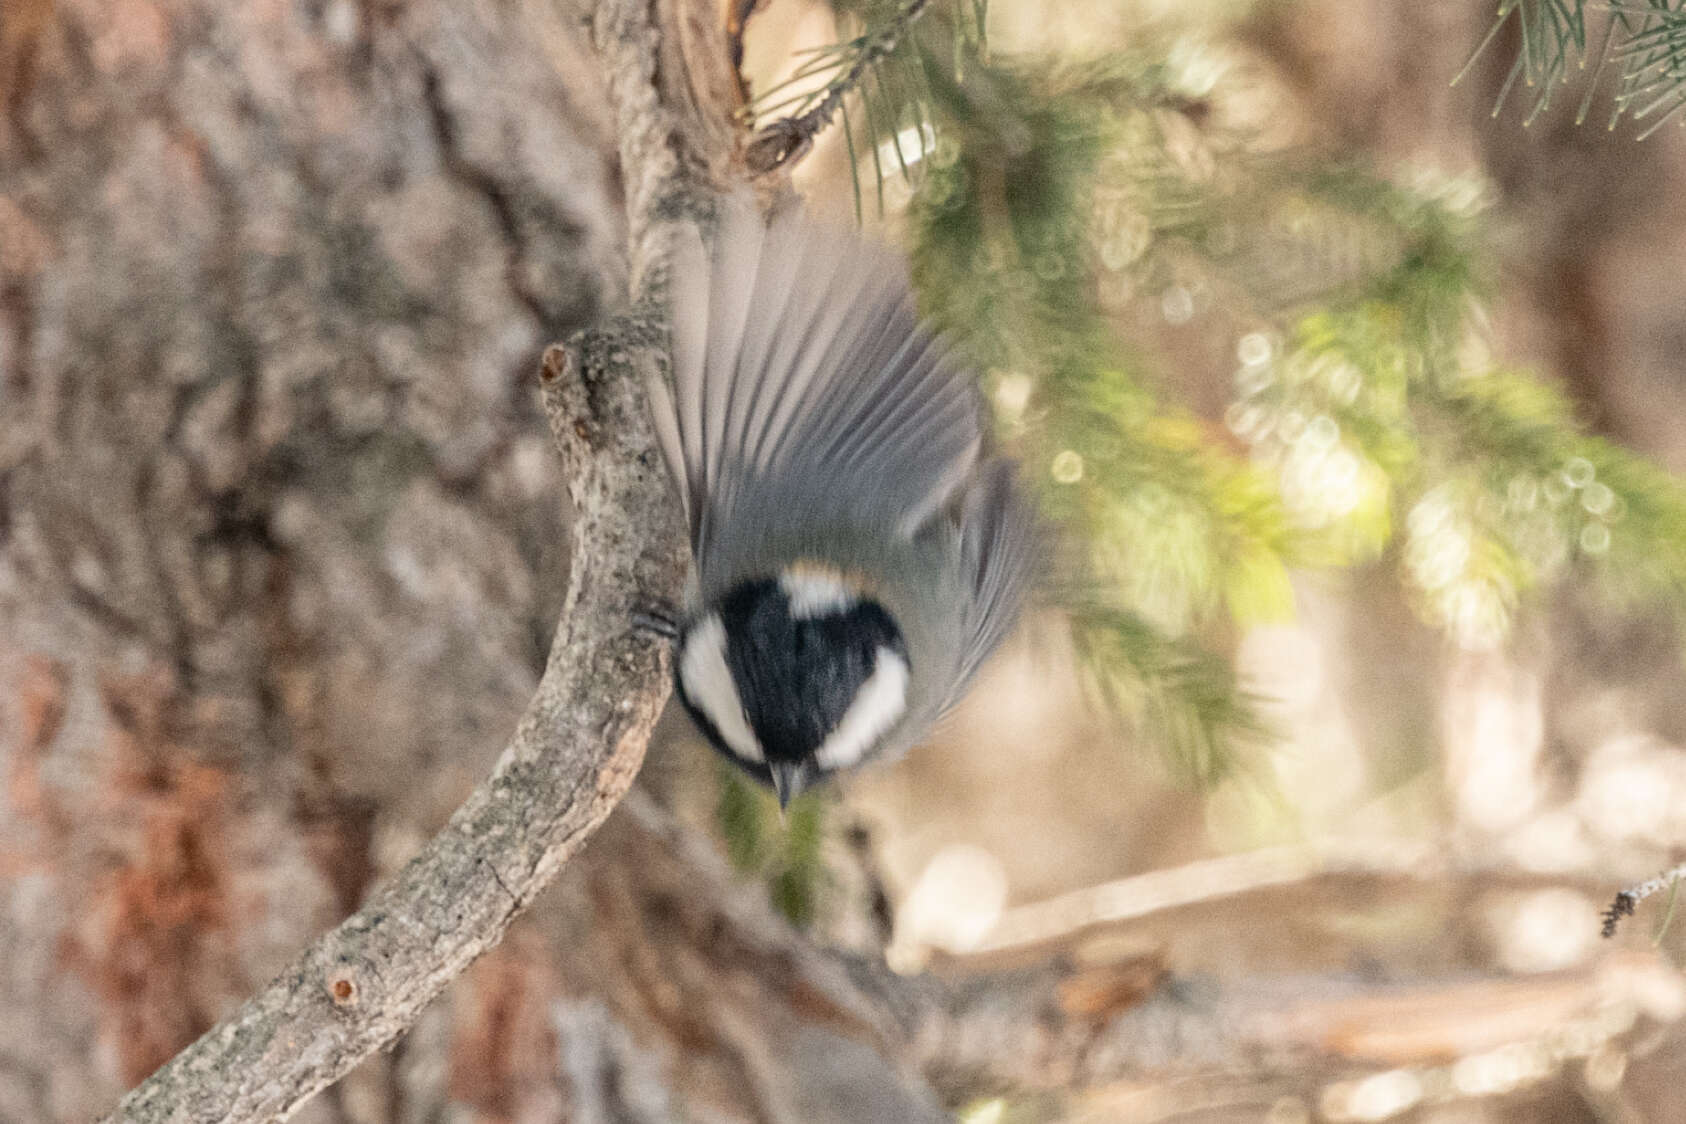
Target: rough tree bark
column 579, row 746
column 281, row 544
column 575, row 752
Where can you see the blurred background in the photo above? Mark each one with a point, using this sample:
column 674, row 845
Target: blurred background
column 1354, row 393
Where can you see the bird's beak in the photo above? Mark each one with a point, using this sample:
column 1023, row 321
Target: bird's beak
column 789, row 779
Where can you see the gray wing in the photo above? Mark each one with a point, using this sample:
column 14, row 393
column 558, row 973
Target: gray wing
column 804, row 381
column 1000, row 550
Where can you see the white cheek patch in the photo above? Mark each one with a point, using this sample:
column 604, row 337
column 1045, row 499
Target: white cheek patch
column 710, row 688
column 878, row 704
column 815, row 592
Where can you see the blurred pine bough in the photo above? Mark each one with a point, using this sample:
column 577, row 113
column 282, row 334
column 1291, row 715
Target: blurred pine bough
column 1369, row 419
column 1635, row 51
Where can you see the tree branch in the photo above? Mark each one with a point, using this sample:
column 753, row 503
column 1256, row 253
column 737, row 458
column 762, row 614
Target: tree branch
column 570, row 760
column 1627, row 900
column 781, row 143
column 582, row 739
column 1110, row 1001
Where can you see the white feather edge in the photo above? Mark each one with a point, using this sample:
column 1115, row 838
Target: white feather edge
column 878, row 706
column 708, row 684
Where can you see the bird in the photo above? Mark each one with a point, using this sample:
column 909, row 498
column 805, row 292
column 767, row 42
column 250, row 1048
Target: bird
column 858, row 552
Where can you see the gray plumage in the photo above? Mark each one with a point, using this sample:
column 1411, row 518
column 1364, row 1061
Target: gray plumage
column 813, row 418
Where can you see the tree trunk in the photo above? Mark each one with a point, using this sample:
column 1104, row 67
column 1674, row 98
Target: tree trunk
column 281, row 530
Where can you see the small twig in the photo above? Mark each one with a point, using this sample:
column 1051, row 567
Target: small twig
column 1197, row 882
column 1628, row 900
column 1143, row 896
column 788, row 139
column 737, row 19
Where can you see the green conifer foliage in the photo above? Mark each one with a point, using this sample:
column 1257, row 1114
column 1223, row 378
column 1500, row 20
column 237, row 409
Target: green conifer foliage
column 1370, row 421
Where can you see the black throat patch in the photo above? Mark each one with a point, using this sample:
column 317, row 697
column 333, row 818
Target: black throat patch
column 798, row 676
